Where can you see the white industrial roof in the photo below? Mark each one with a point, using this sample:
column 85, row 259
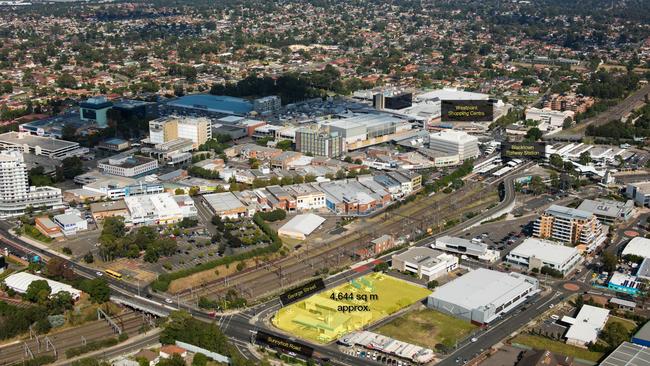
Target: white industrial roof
column 304, row 224
column 545, row 250
column 453, row 136
column 481, row 287
column 20, row 281
column 452, row 94
column 223, row 201
column 589, row 322
column 638, row 246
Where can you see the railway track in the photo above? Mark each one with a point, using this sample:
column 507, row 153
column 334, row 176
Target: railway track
column 16, row 353
column 270, row 277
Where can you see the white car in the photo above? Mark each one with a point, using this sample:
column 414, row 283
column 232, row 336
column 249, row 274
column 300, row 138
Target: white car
column 474, row 340
column 99, row 274
column 169, row 301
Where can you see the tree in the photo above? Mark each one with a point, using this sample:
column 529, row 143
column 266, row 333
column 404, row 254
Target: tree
column 285, row 145
column 568, row 122
column 200, row 360
column 556, row 161
column 60, row 302
column 68, row 132
column 98, row 290
column 179, row 191
column 533, row 134
column 536, row 185
column 175, row 360
column 65, row 80
column 610, row 262
column 614, row 334
column 432, row 284
column 88, row 258
column 114, row 226
column 71, row 167
column 555, row 180
column 57, row 268
column 585, row 158
column 381, row 267
column 38, row 291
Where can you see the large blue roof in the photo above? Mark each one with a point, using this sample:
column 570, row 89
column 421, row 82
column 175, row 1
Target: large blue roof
column 217, row 103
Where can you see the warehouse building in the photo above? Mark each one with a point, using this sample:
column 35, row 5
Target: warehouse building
column 301, row 226
column 535, row 253
column 20, row 282
column 642, row 337
column 225, row 205
column 425, row 263
column 637, row 246
column 482, row 295
column 628, row 354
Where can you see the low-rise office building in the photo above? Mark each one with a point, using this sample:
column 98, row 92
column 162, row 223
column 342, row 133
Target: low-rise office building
column 114, row 144
column 608, row 211
column 70, row 224
column 471, row 248
column 37, row 145
column 102, row 210
column 425, row 263
column 639, row 192
column 128, row 165
column 536, row 254
column 159, row 209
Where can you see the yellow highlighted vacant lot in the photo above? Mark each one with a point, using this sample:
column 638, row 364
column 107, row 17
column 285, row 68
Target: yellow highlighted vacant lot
column 328, row 315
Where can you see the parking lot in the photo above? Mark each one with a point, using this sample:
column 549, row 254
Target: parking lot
column 501, row 235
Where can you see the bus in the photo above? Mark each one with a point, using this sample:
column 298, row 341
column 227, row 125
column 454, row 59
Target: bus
column 114, row 274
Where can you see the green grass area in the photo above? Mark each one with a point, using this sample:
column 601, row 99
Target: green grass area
column 33, row 233
column 538, row 342
column 427, row 328
column 628, row 324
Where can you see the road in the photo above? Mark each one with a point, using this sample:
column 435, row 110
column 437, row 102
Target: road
column 239, row 327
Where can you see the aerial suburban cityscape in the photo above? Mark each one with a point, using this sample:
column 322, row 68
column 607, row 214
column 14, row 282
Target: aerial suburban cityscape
column 324, row 182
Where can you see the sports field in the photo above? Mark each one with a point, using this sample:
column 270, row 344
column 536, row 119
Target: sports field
column 330, row 314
